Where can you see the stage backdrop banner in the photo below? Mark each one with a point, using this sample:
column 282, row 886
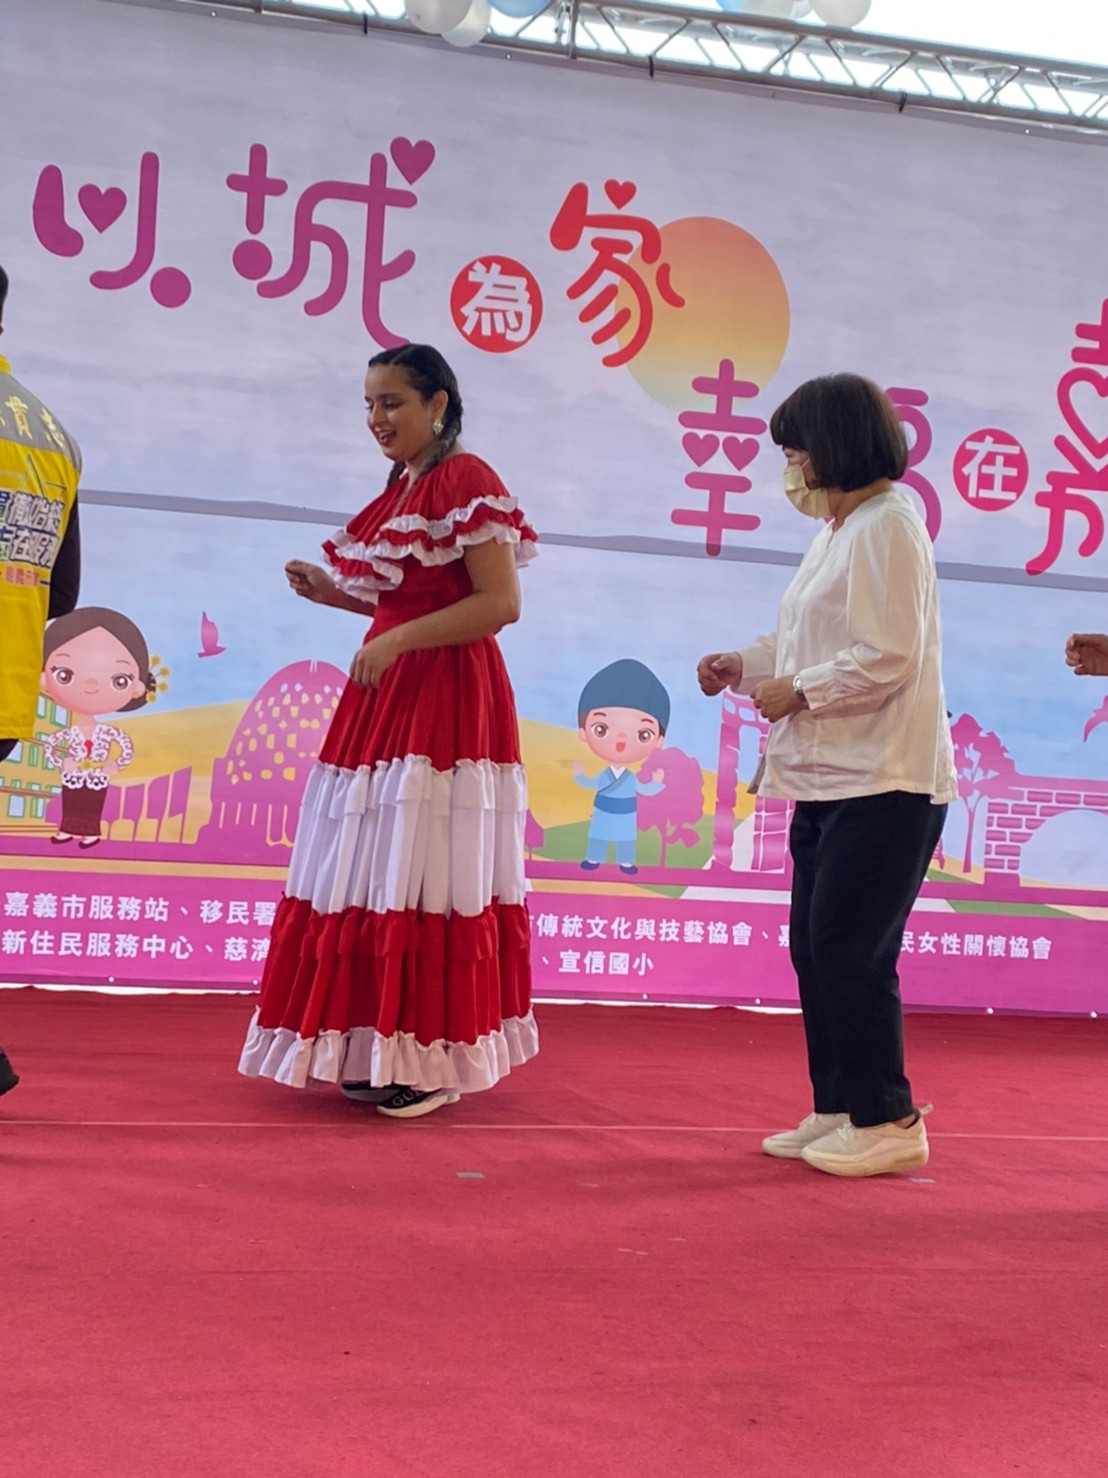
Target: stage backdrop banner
column 211, row 222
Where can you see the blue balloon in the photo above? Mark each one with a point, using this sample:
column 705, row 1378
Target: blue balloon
column 519, row 9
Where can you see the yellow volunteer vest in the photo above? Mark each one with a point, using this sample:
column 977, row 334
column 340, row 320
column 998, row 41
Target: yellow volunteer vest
column 40, row 466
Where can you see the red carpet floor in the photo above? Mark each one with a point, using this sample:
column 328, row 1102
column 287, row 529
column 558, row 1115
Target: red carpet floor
column 591, row 1271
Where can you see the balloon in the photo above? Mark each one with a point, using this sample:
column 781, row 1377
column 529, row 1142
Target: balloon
column 780, row 9
column 841, row 12
column 436, row 16
column 473, row 28
column 520, row 9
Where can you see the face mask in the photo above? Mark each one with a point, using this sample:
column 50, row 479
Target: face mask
column 812, row 502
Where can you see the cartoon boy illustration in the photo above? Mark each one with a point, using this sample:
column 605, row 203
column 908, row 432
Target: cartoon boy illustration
column 622, row 716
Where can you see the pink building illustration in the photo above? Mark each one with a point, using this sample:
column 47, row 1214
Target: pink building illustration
column 737, row 767
column 162, row 801
column 258, row 784
column 1010, row 806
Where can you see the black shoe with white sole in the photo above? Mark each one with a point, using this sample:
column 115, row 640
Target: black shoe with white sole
column 410, row 1103
column 369, row 1092
column 8, row 1075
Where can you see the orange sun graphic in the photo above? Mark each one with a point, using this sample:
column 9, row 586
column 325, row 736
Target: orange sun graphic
column 736, row 307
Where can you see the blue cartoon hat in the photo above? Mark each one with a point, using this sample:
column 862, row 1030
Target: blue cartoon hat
column 625, row 684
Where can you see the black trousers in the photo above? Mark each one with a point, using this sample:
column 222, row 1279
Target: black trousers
column 857, row 869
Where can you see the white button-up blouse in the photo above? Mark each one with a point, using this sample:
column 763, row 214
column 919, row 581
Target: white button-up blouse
column 859, row 625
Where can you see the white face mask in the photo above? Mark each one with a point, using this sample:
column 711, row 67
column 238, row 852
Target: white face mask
column 812, row 502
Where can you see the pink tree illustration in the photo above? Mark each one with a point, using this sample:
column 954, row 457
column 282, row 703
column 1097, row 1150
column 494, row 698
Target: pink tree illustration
column 678, row 808
column 533, row 836
column 984, row 768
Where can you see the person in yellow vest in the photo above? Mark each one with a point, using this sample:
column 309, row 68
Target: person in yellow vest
column 40, row 554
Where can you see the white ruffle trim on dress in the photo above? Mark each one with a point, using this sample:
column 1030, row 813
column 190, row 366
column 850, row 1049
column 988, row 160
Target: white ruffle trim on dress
column 384, row 556
column 401, row 835
column 363, row 1055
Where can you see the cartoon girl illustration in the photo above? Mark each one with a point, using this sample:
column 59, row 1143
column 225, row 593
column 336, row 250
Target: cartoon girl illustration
column 95, row 661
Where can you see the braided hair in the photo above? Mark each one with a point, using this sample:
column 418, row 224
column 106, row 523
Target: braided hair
column 427, row 372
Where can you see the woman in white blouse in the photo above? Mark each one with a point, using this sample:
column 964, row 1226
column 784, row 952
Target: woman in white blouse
column 851, row 683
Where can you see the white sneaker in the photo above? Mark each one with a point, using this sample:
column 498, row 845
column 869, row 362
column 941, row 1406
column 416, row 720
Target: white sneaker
column 879, row 1150
column 410, row 1103
column 789, row 1144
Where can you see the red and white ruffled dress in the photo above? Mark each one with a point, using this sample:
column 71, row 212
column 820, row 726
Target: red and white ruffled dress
column 400, row 951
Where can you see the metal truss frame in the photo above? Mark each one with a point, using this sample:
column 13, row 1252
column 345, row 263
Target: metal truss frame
column 788, row 57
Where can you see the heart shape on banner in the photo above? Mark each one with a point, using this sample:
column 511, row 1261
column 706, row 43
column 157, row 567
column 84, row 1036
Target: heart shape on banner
column 699, row 449
column 412, row 160
column 740, row 451
column 102, row 207
column 1097, row 445
column 620, row 192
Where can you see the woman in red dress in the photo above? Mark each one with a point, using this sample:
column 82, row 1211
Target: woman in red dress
column 399, row 960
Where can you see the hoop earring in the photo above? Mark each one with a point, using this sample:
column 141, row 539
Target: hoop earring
column 436, row 427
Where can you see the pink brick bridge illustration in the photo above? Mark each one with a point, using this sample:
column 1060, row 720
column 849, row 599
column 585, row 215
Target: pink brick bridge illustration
column 1029, row 802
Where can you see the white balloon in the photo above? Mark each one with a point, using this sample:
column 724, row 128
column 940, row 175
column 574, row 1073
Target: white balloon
column 841, row 12
column 436, row 16
column 474, row 28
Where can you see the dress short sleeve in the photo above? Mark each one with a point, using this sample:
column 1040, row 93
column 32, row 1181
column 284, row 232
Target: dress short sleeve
column 458, row 504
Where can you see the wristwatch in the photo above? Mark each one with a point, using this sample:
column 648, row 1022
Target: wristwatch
column 798, row 689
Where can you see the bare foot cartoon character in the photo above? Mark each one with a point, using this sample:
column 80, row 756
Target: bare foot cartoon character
column 622, row 716
column 95, row 661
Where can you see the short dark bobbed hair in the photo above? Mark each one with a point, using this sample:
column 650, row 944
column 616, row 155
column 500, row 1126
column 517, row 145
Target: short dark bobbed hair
column 3, row 292
column 849, row 428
